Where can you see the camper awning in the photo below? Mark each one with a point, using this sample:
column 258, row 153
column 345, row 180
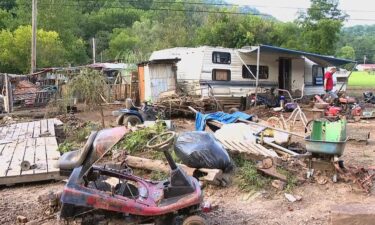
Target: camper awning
column 323, row 60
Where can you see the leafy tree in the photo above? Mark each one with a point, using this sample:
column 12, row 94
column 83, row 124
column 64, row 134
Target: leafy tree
column 346, row 52
column 5, row 18
column 90, row 85
column 321, row 26
column 16, row 47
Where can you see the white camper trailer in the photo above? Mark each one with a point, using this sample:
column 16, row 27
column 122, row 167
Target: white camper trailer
column 237, row 72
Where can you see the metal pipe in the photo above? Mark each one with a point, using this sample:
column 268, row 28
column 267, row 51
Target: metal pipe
column 280, row 148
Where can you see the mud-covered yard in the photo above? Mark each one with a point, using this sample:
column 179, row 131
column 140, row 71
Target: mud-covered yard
column 231, row 205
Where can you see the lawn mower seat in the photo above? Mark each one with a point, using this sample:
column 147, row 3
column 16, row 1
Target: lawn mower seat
column 73, row 159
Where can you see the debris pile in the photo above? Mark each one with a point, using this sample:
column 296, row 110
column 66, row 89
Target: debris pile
column 177, row 104
column 26, row 91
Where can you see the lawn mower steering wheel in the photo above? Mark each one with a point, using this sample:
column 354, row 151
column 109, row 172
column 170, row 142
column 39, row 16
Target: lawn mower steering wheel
column 161, row 141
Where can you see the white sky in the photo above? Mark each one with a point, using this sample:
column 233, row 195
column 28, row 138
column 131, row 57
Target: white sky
column 286, row 10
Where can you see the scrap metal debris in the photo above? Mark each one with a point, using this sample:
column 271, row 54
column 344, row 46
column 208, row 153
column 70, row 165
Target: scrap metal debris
column 362, row 176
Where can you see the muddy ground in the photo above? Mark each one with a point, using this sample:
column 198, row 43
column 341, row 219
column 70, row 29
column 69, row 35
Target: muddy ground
column 233, row 206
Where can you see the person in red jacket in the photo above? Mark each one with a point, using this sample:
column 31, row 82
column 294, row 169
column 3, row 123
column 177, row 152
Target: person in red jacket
column 328, row 83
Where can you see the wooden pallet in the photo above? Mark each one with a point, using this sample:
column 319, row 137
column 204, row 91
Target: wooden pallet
column 249, row 150
column 34, row 142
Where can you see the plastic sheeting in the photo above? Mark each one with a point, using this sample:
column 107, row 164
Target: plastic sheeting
column 200, row 119
column 199, row 149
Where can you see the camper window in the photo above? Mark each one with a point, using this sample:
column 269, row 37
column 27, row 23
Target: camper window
column 221, row 57
column 317, row 74
column 221, row 75
column 263, row 72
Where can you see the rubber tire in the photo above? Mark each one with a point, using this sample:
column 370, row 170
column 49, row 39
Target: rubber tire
column 133, row 120
column 194, row 220
column 120, row 120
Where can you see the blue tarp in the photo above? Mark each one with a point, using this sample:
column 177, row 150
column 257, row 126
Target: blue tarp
column 200, row 118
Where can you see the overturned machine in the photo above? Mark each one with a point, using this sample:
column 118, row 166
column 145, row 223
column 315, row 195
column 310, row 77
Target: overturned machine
column 116, row 189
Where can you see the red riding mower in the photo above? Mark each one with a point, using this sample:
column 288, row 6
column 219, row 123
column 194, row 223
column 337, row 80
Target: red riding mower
column 134, row 200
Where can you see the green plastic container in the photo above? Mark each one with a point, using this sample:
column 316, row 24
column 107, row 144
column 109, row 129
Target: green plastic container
column 328, row 131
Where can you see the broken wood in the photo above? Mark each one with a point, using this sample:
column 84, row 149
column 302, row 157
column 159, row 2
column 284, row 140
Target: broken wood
column 212, row 176
column 273, row 173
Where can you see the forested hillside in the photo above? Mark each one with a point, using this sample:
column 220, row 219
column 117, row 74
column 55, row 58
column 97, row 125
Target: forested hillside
column 130, row 30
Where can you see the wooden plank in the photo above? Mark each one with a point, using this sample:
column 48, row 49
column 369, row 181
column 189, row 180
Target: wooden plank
column 18, row 154
column 36, row 132
column 30, row 130
column 51, row 127
column 6, row 158
column 52, row 148
column 250, row 147
column 29, row 154
column 16, row 132
column 1, row 149
column 3, row 133
column 23, row 130
column 10, row 132
column 44, row 128
column 52, row 154
column 40, row 156
column 30, row 178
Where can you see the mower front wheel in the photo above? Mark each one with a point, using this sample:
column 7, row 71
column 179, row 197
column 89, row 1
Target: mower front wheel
column 194, row 220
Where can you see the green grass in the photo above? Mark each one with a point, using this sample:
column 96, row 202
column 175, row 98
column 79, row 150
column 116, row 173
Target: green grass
column 362, row 80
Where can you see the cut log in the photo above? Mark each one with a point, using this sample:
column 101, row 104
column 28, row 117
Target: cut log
column 212, row 176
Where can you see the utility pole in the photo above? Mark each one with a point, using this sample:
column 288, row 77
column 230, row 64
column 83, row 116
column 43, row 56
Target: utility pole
column 93, row 50
column 33, row 38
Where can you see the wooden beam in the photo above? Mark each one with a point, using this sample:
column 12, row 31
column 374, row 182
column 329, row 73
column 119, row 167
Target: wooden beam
column 213, row 176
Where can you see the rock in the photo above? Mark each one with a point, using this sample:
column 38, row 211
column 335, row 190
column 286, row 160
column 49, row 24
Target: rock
column 292, row 198
column 298, row 198
column 21, row 219
column 267, row 163
column 346, row 214
column 278, row 184
column 322, row 180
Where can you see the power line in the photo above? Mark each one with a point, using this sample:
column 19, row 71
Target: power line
column 234, row 5
column 181, row 10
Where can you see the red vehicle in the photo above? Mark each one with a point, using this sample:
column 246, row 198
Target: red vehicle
column 176, row 200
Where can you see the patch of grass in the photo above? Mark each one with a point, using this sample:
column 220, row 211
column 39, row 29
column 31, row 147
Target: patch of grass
column 291, row 181
column 157, row 175
column 65, row 147
column 136, row 141
column 80, row 134
column 248, row 176
column 76, row 137
column 362, row 79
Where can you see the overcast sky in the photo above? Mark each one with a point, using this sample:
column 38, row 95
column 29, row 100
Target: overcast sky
column 285, row 10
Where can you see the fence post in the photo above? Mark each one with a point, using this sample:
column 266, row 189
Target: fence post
column 8, row 100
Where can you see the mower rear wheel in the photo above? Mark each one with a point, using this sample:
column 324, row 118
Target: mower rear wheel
column 120, row 120
column 194, row 220
column 133, row 120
